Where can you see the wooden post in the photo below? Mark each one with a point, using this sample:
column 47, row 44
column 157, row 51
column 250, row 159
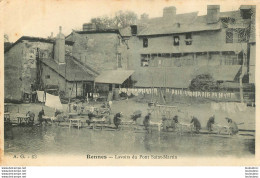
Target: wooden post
column 76, row 89
column 240, row 80
column 82, row 89
column 207, row 58
column 195, row 58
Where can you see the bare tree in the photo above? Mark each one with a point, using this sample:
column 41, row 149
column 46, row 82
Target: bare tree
column 124, row 19
column 103, row 22
column 120, row 20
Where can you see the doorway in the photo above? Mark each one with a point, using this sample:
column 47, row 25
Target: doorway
column 87, row 88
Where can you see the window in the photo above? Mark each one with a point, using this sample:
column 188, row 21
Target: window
column 188, row 39
column 145, row 42
column 176, row 40
column 119, row 60
column 47, row 76
column 242, row 35
column 134, row 29
column 237, row 35
column 145, row 62
column 229, row 35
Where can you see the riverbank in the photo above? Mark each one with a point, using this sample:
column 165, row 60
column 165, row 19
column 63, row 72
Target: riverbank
column 245, row 119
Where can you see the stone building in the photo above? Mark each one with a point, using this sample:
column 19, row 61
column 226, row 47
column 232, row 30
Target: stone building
column 103, row 51
column 99, row 49
column 21, row 66
column 171, row 50
column 71, row 77
column 35, row 63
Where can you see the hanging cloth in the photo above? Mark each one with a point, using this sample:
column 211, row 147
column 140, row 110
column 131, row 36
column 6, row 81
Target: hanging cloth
column 40, row 96
column 53, row 101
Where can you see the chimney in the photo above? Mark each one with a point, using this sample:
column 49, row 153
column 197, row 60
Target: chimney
column 213, row 14
column 89, row 27
column 59, row 48
column 246, row 11
column 169, row 12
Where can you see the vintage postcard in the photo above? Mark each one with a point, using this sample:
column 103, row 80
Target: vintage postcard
column 128, row 82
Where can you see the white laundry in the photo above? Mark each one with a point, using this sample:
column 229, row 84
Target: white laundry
column 53, row 101
column 40, row 96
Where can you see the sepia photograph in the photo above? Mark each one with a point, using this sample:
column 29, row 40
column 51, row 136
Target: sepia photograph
column 128, row 81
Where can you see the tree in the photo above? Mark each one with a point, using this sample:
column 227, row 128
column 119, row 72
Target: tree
column 203, row 82
column 124, row 19
column 103, row 22
column 120, row 20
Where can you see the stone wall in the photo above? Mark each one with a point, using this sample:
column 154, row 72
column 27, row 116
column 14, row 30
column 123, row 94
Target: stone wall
column 20, row 66
column 99, row 50
column 50, row 77
column 13, row 73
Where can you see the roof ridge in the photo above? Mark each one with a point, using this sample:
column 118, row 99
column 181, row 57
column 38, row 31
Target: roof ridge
column 84, row 66
column 45, row 40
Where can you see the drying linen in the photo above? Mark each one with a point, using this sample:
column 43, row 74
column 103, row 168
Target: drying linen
column 40, row 96
column 53, row 101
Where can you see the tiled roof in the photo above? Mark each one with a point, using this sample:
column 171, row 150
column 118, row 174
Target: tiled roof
column 189, row 22
column 114, row 76
column 182, row 23
column 94, row 32
column 180, row 77
column 71, row 71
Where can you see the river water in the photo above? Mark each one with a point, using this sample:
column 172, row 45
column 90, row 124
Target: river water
column 62, row 140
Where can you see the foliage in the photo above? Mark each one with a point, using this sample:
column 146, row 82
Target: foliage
column 103, row 22
column 203, row 82
column 120, row 20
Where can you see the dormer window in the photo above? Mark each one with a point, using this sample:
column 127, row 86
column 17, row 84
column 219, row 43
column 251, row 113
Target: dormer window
column 188, row 39
column 134, row 30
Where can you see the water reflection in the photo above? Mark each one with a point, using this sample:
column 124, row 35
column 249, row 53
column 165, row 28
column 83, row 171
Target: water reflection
column 61, row 140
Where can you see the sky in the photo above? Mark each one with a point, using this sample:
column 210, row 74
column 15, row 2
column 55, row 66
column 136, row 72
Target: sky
column 39, row 18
